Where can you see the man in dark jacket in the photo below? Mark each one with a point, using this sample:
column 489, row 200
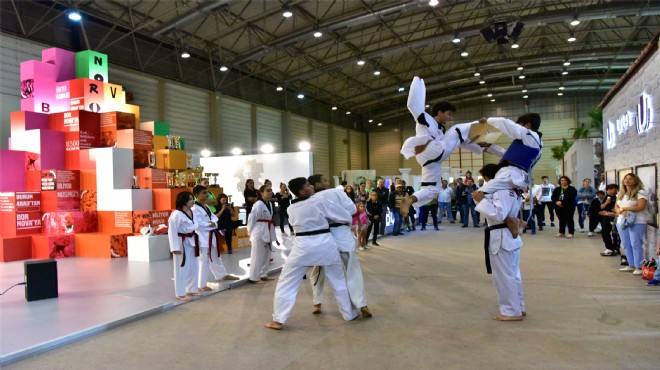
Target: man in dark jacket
column 383, row 196
column 466, row 203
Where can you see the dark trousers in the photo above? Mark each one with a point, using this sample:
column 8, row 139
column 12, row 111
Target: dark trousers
column 594, row 220
column 284, row 216
column 411, row 218
column 228, row 236
column 530, row 220
column 424, row 217
column 398, row 221
column 540, row 214
column 565, row 215
column 375, row 225
column 606, row 233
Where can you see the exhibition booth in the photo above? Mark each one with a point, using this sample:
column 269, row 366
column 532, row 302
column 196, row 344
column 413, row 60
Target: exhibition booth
column 631, row 136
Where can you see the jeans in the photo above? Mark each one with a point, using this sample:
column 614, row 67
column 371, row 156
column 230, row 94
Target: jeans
column 582, row 213
column 465, row 208
column 398, row 221
column 530, row 220
column 445, row 207
column 632, row 238
column 383, row 220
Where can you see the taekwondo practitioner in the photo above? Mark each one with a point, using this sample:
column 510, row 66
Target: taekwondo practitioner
column 518, row 160
column 432, row 144
column 209, row 241
column 346, row 243
column 184, row 245
column 501, row 249
column 262, row 235
column 313, row 245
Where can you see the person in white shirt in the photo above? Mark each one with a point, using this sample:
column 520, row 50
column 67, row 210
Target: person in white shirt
column 503, row 250
column 545, row 200
column 632, row 198
column 444, row 201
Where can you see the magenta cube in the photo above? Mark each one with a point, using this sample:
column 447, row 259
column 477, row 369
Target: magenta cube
column 12, row 164
column 37, row 88
column 23, row 120
column 48, row 144
column 63, row 60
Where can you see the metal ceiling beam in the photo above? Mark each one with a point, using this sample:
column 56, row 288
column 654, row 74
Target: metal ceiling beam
column 189, row 17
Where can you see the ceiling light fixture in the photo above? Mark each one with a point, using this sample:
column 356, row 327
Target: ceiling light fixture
column 434, row 2
column 380, row 123
column 477, row 74
column 318, row 33
column 301, row 95
column 371, row 120
column 185, row 54
column 223, row 68
column 571, row 38
column 481, row 82
column 286, row 12
column 74, row 16
column 360, row 62
column 522, row 77
column 515, row 45
column 525, row 96
column 376, row 73
column 205, row 153
column 334, row 108
column 456, row 39
column 402, row 89
column 561, row 87
column 524, row 91
column 520, row 68
column 492, row 100
column 575, row 21
column 564, row 73
column 560, row 94
column 304, row 146
column 236, row 151
column 567, row 63
column 279, row 88
column 490, row 95
column 464, row 53
column 267, row 148
column 348, row 112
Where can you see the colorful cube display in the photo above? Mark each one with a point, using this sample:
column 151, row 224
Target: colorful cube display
column 20, row 213
column 92, row 65
column 47, row 143
column 25, row 120
column 53, row 246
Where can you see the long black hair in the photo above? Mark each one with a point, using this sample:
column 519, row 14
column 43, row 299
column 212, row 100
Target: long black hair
column 182, row 199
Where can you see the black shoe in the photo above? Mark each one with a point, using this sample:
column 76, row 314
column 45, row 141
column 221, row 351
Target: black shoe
column 552, row 224
column 376, row 244
column 423, row 228
column 540, row 228
column 436, row 228
column 463, row 226
column 230, row 252
column 452, row 222
column 477, row 225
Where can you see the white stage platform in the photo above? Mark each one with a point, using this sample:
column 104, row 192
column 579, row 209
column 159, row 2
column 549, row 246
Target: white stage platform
column 94, row 295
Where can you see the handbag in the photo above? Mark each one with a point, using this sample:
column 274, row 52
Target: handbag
column 648, row 269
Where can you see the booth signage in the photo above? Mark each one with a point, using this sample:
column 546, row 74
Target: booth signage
column 642, row 119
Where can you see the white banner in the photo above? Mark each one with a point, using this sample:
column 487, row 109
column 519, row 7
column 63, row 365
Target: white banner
column 233, row 171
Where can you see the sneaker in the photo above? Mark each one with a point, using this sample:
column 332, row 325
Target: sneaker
column 452, row 222
column 637, row 272
column 362, row 248
column 569, row 236
column 464, row 226
column 607, row 253
column 376, row 244
column 590, row 234
column 581, row 230
column 552, row 224
column 560, row 235
column 423, row 228
column 366, row 247
column 436, row 228
column 627, row 269
column 653, row 282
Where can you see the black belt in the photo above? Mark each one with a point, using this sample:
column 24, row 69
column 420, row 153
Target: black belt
column 337, row 224
column 487, row 242
column 429, row 183
column 437, row 159
column 313, row 232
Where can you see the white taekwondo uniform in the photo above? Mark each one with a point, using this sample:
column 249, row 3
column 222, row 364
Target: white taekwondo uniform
column 511, row 176
column 209, row 244
column 183, row 238
column 262, row 234
column 504, row 250
column 347, row 244
column 313, row 245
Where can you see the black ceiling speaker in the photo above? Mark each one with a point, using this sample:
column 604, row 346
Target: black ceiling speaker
column 488, row 34
column 501, row 29
column 502, row 40
column 517, row 29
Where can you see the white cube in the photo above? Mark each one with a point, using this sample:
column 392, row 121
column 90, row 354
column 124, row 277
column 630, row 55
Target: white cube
column 148, row 248
column 114, row 168
column 124, row 200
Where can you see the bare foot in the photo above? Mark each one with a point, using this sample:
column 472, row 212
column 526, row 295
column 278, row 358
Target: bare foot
column 507, row 318
column 195, row 294
column 205, row 289
column 317, row 309
column 229, row 277
column 258, row 282
column 406, row 203
column 365, row 312
column 274, row 325
column 512, row 224
column 267, row 278
column 184, row 298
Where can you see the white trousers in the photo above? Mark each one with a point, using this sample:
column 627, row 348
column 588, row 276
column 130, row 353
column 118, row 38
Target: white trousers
column 259, row 260
column 507, row 178
column 354, row 280
column 508, row 282
column 289, row 283
column 205, row 265
column 185, row 278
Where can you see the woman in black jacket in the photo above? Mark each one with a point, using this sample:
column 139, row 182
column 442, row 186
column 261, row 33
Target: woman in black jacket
column 374, row 211
column 564, row 196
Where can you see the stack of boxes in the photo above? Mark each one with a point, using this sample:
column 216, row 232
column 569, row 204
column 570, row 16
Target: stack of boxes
column 77, row 151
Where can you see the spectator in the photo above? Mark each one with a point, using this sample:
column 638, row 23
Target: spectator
column 564, row 197
column 410, row 219
column 528, row 211
column 342, row 186
column 383, row 197
column 360, row 225
column 632, row 198
column 224, row 215
column 374, row 212
column 362, row 195
column 394, row 203
column 348, row 189
column 607, row 232
column 369, row 186
column 250, row 195
column 431, row 207
column 545, row 200
column 466, row 203
column 593, row 212
column 602, row 186
column 444, row 201
column 586, row 194
column 284, row 199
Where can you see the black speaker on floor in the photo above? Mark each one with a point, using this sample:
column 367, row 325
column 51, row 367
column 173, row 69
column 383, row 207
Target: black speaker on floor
column 41, row 280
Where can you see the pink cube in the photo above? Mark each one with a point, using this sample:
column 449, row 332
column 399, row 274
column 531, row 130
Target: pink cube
column 37, row 88
column 47, row 143
column 21, row 121
column 12, row 163
column 63, row 60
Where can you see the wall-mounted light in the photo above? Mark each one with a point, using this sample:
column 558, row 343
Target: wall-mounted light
column 304, row 146
column 267, row 148
column 236, row 151
column 205, row 153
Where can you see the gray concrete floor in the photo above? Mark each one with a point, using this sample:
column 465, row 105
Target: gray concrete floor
column 431, row 301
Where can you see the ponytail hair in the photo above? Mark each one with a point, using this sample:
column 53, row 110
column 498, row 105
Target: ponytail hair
column 262, row 188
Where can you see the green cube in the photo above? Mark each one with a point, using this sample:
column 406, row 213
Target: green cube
column 92, row 65
column 183, row 144
column 159, row 128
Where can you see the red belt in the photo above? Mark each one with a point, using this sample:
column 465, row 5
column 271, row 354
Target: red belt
column 270, row 223
column 217, row 234
column 183, row 239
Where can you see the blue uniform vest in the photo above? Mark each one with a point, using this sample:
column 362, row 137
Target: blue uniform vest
column 521, row 155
